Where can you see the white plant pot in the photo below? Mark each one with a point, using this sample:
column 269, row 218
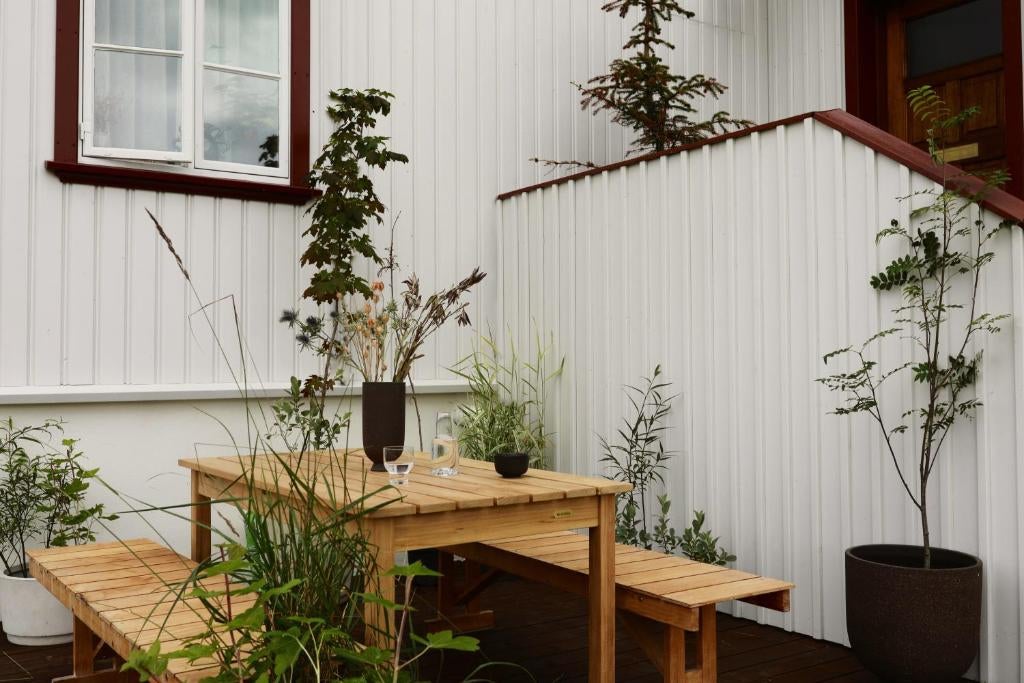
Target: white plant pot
column 30, row 614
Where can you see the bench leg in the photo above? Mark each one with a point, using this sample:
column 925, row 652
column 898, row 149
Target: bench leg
column 674, row 670
column 201, row 521
column 664, row 645
column 449, row 599
column 84, row 647
column 707, row 650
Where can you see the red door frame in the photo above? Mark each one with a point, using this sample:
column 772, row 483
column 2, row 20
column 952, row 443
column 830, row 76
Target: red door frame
column 865, row 53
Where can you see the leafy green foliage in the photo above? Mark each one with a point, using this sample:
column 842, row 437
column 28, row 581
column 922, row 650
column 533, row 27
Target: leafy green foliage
column 338, row 233
column 505, row 412
column 643, row 95
column 302, row 422
column 43, row 491
column 251, row 638
column 639, row 457
column 946, row 247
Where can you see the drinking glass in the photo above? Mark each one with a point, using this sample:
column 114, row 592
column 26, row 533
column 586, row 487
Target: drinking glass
column 398, row 461
column 444, row 454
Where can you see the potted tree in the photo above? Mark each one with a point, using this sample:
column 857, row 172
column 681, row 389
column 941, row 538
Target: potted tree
column 377, row 335
column 42, row 503
column 913, row 611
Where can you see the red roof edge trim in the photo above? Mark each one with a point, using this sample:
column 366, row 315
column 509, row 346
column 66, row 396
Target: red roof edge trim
column 998, row 201
column 631, row 161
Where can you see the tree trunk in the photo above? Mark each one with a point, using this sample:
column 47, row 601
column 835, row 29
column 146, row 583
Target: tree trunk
column 924, row 525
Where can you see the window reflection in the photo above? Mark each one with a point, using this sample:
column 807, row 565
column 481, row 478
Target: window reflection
column 241, row 115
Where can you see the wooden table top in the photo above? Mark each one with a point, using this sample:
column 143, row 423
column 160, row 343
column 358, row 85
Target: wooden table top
column 347, row 476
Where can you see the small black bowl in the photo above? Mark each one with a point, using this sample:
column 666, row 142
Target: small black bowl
column 511, row 465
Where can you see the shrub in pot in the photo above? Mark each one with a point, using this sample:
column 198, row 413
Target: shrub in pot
column 913, row 612
column 42, row 502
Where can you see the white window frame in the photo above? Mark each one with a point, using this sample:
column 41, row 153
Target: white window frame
column 88, row 86
column 191, row 159
column 283, row 99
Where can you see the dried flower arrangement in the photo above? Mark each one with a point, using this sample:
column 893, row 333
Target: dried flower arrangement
column 381, row 335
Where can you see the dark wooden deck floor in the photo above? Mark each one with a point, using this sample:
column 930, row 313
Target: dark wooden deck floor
column 544, row 631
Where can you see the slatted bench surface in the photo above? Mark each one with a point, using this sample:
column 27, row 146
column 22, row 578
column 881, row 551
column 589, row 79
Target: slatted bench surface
column 126, row 594
column 651, row 574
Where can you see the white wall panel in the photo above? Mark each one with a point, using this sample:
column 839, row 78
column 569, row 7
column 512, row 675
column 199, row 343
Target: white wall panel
column 736, row 266
column 805, row 56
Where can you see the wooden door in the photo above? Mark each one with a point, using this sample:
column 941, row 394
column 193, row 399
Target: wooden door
column 957, row 48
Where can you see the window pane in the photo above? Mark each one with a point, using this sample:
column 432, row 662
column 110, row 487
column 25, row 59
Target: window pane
column 241, row 118
column 137, row 101
column 139, row 23
column 243, row 33
column 963, row 34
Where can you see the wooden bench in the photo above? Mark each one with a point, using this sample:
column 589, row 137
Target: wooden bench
column 124, row 596
column 659, row 597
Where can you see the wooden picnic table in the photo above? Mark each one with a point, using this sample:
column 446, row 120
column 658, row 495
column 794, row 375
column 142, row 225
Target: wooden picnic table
column 477, row 505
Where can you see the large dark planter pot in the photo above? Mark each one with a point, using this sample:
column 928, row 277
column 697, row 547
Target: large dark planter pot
column 908, row 624
column 383, row 419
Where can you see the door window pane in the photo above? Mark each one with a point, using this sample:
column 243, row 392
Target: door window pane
column 960, row 35
column 139, row 23
column 241, row 118
column 137, row 101
column 243, row 33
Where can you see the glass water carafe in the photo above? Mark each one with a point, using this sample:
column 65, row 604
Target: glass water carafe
column 444, row 454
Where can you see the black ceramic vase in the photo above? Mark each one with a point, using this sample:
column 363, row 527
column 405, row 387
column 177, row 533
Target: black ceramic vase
column 383, row 419
column 908, row 624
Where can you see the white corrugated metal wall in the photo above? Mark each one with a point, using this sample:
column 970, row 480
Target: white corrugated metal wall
column 88, row 296
column 92, row 309
column 736, row 266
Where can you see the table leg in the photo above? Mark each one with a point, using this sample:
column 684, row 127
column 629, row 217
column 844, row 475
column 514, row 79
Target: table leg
column 201, row 535
column 380, row 620
column 601, row 594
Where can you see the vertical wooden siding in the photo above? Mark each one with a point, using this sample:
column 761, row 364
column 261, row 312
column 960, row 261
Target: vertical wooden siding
column 88, row 295
column 735, row 267
column 805, row 56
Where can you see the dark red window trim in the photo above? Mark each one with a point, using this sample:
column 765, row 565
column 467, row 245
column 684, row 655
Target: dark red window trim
column 864, row 22
column 69, row 169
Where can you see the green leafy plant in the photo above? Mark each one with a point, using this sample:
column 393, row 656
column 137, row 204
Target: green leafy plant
column 348, row 203
column 642, row 94
column 252, row 639
column 639, row 457
column 42, row 493
column 505, row 410
column 946, row 248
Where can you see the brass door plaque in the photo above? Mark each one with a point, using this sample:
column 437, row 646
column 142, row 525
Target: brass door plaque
column 959, row 153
